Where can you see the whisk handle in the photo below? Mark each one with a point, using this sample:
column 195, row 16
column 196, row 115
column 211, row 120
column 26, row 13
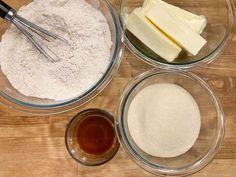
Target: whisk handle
column 4, row 9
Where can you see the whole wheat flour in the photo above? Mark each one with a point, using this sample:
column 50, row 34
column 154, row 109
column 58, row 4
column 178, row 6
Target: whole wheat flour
column 83, row 61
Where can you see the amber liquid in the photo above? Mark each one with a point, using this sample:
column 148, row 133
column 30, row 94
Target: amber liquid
column 95, row 135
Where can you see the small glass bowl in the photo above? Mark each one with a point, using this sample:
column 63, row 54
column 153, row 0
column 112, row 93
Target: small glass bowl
column 14, row 99
column 212, row 124
column 73, row 147
column 218, row 32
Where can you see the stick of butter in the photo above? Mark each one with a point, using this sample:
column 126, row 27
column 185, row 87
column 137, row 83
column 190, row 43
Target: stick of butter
column 153, row 38
column 185, row 36
column 196, row 22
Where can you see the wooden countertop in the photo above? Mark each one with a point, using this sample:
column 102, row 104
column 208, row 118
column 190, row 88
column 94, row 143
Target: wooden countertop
column 33, row 146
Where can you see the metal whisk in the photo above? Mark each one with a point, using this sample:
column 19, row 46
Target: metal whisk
column 31, row 31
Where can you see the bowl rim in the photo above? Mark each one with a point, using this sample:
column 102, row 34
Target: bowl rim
column 157, row 169
column 203, row 60
column 89, row 94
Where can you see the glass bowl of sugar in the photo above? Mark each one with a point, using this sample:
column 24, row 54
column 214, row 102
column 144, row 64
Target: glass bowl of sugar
column 170, row 122
column 163, row 33
column 88, row 61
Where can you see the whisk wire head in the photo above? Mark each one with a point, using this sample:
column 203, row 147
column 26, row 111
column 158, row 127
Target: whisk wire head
column 32, row 31
column 49, row 54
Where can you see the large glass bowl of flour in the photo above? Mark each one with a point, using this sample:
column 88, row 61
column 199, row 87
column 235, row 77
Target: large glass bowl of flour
column 31, row 83
column 154, row 153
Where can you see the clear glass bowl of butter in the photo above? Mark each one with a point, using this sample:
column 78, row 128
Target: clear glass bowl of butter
column 177, row 34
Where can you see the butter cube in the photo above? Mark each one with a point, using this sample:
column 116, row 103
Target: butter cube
column 152, row 37
column 196, row 22
column 185, row 36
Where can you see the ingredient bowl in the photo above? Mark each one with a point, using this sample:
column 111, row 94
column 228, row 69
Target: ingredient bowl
column 90, row 137
column 218, row 32
column 13, row 98
column 211, row 132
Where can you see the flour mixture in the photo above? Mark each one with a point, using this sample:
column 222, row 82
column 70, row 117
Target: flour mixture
column 83, row 61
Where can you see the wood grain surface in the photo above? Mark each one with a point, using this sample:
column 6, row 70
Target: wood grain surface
column 33, row 146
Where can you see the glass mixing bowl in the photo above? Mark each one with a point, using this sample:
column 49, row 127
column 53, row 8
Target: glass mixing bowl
column 218, row 32
column 211, row 132
column 15, row 99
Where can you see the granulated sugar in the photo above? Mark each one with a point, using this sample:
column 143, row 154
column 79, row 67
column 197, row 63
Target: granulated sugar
column 83, row 61
column 164, row 120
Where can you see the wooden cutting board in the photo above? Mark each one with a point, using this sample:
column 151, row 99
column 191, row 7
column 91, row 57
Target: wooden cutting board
column 32, row 146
